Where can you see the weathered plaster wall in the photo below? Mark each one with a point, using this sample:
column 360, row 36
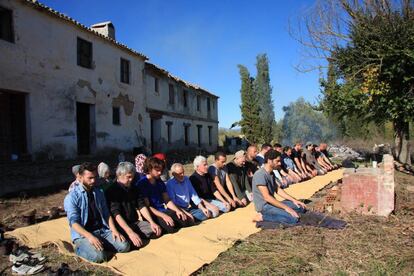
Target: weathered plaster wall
column 160, row 100
column 177, row 134
column 179, row 115
column 43, row 63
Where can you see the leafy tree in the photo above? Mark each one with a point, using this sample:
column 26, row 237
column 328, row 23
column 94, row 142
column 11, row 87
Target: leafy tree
column 369, row 46
column 278, row 131
column 303, row 123
column 348, row 125
column 250, row 122
column 263, row 90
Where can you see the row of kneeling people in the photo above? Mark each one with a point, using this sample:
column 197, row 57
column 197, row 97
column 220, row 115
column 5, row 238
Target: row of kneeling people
column 298, row 163
column 117, row 216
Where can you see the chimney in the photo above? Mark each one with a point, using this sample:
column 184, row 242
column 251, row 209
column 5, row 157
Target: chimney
column 105, row 28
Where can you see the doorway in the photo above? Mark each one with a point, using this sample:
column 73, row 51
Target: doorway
column 85, row 128
column 13, row 138
column 155, row 134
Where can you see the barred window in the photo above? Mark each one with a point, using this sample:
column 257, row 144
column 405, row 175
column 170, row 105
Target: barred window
column 125, row 70
column 84, row 53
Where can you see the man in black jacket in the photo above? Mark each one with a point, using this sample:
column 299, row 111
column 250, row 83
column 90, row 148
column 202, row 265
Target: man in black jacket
column 126, row 205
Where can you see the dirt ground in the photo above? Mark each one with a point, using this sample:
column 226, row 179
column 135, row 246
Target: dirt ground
column 369, row 245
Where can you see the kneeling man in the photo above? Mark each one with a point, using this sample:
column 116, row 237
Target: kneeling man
column 182, row 193
column 264, row 188
column 164, row 211
column 205, row 188
column 92, row 228
column 126, row 205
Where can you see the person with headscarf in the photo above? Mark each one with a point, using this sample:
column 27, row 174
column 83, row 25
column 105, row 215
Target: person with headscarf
column 139, row 163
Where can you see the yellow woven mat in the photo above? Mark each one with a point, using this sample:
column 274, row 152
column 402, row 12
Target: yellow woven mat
column 178, row 254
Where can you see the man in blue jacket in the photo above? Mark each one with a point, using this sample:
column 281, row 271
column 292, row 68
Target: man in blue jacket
column 92, row 229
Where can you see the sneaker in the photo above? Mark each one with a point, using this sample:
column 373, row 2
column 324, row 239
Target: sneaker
column 20, row 254
column 31, row 261
column 22, row 269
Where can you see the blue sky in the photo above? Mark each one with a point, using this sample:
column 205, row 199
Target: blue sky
column 203, row 41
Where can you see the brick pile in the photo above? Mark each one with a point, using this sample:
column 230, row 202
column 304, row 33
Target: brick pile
column 330, row 202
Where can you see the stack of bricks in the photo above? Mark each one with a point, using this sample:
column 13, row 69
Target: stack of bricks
column 330, row 202
column 369, row 190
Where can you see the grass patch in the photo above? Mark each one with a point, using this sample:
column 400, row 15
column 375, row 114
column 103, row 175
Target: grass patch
column 368, row 246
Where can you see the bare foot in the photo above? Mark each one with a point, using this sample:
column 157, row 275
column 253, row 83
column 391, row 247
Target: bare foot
column 258, row 217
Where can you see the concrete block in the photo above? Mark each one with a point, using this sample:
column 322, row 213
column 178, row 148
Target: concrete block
column 369, row 190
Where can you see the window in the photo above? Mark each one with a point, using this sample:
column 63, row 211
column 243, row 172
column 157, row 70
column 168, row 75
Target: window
column 198, row 102
column 6, row 25
column 199, row 135
column 186, row 134
column 116, row 116
column 156, row 87
column 125, row 69
column 210, row 142
column 185, row 93
column 171, row 94
column 169, row 124
column 84, row 53
column 208, row 105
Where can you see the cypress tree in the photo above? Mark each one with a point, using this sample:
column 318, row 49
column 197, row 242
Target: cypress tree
column 263, row 91
column 250, row 125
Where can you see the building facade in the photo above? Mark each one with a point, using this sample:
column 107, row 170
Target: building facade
column 68, row 90
column 181, row 115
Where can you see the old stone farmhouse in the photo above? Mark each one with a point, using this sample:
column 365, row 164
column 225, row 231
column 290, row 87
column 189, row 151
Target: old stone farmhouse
column 69, row 90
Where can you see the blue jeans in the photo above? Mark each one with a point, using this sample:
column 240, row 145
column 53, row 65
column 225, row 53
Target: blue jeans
column 220, row 205
column 85, row 249
column 197, row 213
column 272, row 213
